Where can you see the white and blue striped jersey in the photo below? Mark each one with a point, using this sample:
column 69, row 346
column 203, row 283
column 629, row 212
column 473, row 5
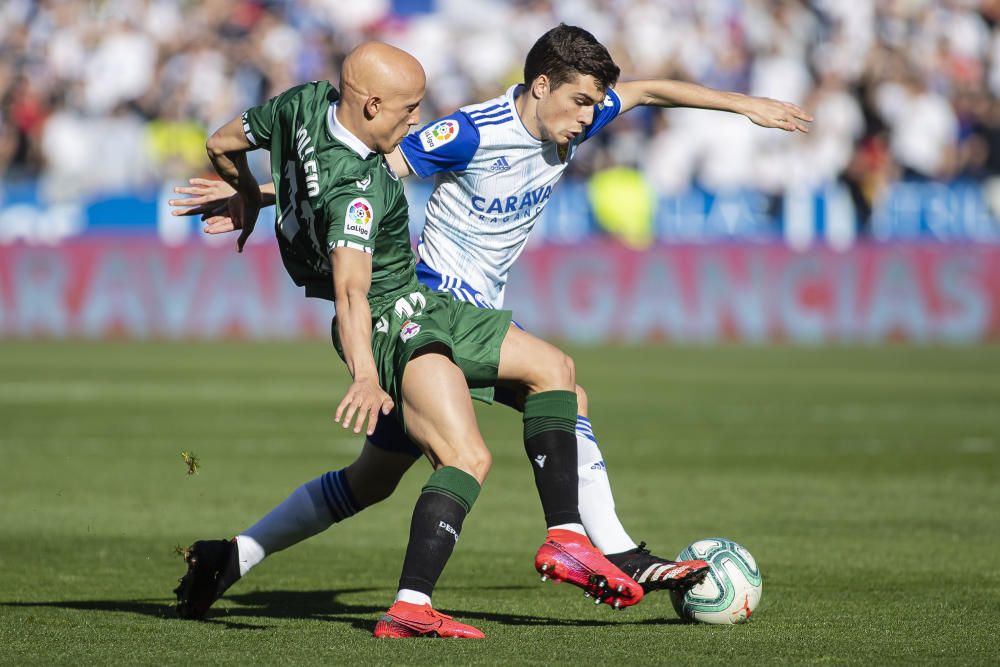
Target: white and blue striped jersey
column 493, row 179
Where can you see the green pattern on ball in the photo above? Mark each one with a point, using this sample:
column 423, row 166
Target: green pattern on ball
column 721, row 552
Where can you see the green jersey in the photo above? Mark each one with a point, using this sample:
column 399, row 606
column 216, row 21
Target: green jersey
column 332, row 191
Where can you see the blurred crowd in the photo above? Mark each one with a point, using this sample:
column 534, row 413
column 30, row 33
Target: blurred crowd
column 105, row 95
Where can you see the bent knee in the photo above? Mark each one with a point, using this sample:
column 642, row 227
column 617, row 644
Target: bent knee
column 476, row 461
column 555, row 372
column 473, row 458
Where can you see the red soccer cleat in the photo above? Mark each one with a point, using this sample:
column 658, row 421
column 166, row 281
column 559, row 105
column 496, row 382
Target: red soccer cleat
column 405, row 619
column 569, row 556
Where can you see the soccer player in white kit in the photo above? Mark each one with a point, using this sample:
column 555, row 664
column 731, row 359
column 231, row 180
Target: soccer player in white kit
column 494, row 164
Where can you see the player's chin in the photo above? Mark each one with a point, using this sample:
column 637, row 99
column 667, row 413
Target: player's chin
column 397, row 142
column 567, row 138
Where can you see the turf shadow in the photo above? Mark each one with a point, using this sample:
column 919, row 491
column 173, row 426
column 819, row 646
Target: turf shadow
column 322, row 605
column 325, row 605
column 153, row 608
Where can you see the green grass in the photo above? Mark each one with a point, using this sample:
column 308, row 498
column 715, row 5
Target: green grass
column 865, row 481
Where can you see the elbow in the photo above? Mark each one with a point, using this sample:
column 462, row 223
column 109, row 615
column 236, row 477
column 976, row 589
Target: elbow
column 214, row 147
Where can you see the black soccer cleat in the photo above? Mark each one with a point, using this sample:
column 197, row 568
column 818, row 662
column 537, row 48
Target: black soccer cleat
column 213, row 566
column 655, row 574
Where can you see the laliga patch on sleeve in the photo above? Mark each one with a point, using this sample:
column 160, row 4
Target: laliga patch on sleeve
column 358, row 219
column 439, row 134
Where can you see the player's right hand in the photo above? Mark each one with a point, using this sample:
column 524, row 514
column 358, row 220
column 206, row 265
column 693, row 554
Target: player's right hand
column 365, row 399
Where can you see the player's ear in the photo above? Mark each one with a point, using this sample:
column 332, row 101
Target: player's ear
column 372, row 107
column 540, row 86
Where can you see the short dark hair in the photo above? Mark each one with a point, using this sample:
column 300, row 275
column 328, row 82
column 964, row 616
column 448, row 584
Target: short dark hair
column 567, row 51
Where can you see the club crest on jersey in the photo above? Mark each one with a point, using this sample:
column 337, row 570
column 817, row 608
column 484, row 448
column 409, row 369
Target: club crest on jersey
column 408, row 330
column 439, row 134
column 358, row 219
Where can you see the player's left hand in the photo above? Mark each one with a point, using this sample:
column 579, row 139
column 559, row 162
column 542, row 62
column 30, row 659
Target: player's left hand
column 786, row 116
column 208, row 198
column 365, row 399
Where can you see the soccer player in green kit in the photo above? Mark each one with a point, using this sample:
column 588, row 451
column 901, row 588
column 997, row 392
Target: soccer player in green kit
column 412, row 353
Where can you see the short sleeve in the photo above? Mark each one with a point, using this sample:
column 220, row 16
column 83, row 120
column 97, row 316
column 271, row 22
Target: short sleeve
column 604, row 113
column 353, row 221
column 447, row 144
column 259, row 121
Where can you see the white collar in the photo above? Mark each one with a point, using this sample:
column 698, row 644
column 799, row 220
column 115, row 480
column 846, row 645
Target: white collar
column 344, row 136
column 513, row 93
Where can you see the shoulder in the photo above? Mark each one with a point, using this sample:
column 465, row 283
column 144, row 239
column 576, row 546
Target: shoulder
column 497, row 111
column 446, row 144
column 315, row 96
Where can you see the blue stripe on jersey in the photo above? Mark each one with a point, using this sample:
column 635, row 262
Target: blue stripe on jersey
column 488, row 109
column 451, row 284
column 499, row 121
column 495, row 114
column 454, row 286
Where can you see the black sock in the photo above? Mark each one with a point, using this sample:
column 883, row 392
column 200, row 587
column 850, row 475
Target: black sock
column 437, row 522
column 550, row 441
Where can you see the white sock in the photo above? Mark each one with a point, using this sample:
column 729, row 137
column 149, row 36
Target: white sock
column 575, row 527
column 249, row 553
column 310, row 509
column 597, row 504
column 412, row 596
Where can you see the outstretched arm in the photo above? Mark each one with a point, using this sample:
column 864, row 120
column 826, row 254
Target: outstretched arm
column 210, row 198
column 761, row 111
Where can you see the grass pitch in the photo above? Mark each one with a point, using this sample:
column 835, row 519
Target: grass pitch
column 866, row 482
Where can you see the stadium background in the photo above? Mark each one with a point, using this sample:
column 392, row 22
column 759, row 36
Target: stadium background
column 881, row 224
column 860, row 465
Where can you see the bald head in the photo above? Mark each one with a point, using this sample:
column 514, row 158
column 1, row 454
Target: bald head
column 381, row 90
column 375, row 69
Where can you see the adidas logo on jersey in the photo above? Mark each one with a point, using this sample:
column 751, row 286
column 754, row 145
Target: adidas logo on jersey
column 500, row 165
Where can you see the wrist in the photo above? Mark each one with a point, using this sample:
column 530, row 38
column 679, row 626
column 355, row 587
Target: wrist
column 364, row 373
column 739, row 103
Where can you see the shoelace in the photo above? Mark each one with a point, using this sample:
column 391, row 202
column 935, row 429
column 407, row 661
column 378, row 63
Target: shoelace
column 430, row 611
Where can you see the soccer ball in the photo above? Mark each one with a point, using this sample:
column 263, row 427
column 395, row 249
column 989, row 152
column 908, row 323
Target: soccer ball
column 730, row 592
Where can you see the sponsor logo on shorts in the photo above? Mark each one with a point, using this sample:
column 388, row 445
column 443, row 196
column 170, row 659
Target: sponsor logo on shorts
column 439, row 134
column 358, row 219
column 408, row 330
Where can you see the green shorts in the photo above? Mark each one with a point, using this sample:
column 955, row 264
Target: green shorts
column 422, row 318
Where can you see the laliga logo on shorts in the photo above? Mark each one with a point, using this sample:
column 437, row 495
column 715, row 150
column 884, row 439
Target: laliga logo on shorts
column 439, row 134
column 358, row 220
column 408, row 330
